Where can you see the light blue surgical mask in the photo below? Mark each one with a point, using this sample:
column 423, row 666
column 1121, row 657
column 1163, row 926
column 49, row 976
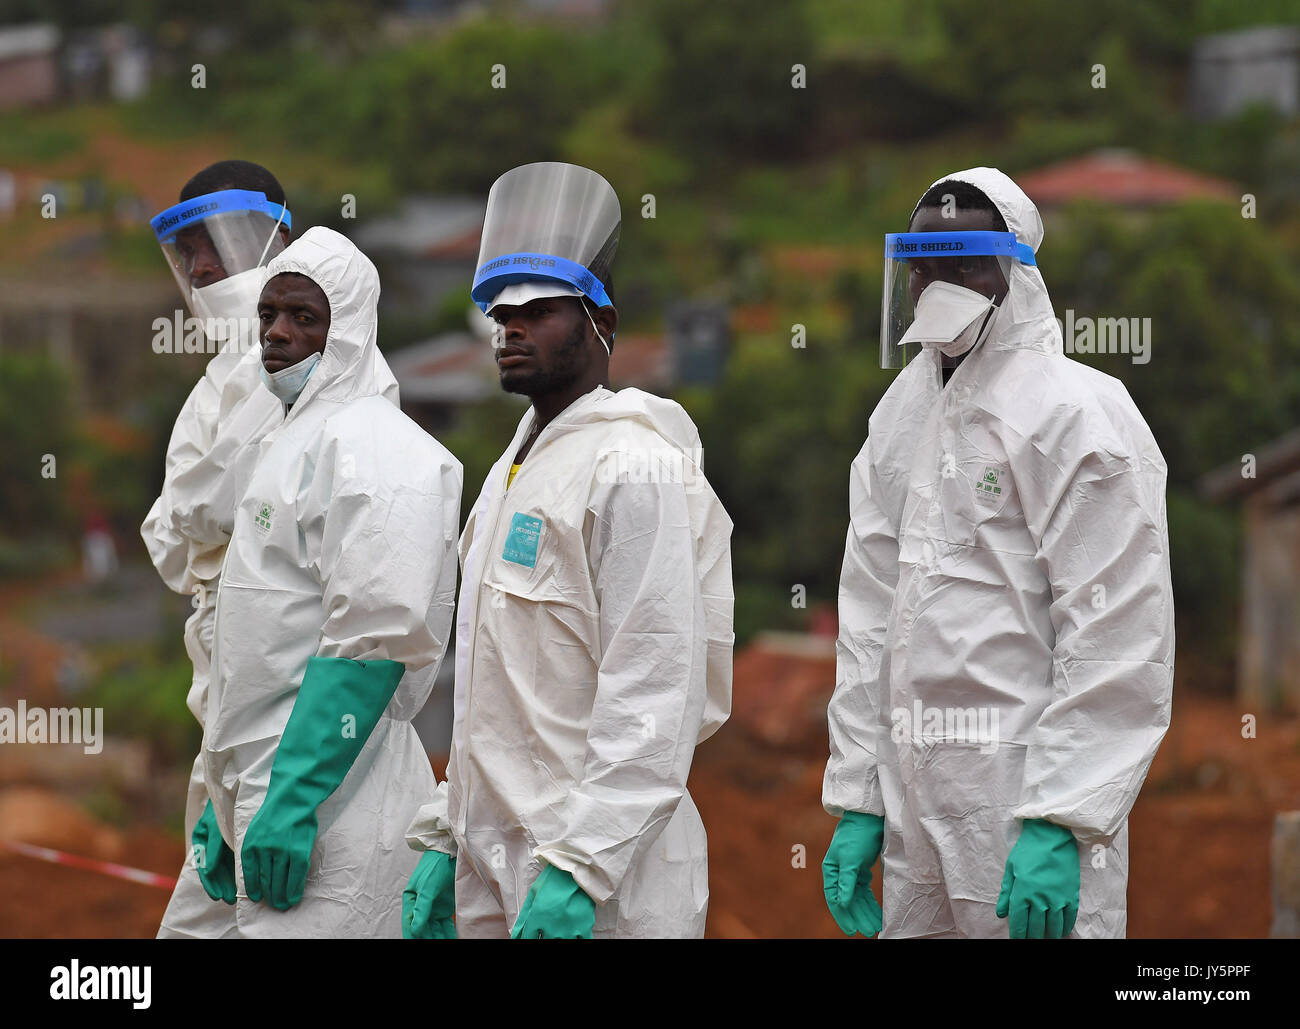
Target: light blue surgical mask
column 288, row 383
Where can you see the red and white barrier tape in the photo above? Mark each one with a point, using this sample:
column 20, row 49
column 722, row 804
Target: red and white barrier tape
column 59, row 857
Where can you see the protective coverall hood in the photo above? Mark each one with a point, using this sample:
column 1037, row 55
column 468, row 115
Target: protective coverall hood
column 348, row 278
column 664, row 417
column 1025, row 319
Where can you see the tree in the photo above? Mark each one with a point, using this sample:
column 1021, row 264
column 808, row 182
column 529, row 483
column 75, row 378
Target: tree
column 35, row 421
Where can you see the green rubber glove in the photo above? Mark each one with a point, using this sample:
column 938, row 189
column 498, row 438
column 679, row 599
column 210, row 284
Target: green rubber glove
column 1040, row 887
column 214, row 860
column 846, row 873
column 338, row 707
column 429, row 900
column 555, row 909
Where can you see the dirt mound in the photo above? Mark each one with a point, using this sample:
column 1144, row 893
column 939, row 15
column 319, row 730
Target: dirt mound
column 29, row 815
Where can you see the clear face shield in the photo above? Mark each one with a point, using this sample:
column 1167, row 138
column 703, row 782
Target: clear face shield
column 940, row 289
column 548, row 221
column 216, row 246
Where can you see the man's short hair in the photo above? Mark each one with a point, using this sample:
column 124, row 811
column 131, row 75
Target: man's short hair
column 966, row 197
column 234, row 175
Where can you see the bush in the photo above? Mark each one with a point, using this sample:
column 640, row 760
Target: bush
column 143, row 696
column 36, row 425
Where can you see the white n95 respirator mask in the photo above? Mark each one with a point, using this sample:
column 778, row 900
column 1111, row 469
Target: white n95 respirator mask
column 950, row 318
column 228, row 308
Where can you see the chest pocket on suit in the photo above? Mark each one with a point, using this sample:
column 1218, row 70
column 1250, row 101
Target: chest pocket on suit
column 974, row 490
column 539, row 558
column 521, row 559
column 553, row 626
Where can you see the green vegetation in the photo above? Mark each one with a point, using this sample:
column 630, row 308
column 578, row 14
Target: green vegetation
column 145, row 694
column 774, row 199
column 36, row 427
column 24, row 139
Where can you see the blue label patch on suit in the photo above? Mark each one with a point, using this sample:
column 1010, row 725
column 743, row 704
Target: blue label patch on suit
column 521, row 543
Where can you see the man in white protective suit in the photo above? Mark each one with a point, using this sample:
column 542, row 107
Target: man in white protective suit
column 1006, row 647
column 594, row 632
column 333, row 611
column 230, row 220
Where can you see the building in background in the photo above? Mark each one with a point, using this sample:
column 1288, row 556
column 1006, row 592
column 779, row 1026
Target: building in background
column 1123, row 178
column 113, row 62
column 424, row 251
column 29, row 66
column 100, row 329
column 40, row 67
column 699, row 335
column 1233, row 70
column 441, row 376
column 1268, row 655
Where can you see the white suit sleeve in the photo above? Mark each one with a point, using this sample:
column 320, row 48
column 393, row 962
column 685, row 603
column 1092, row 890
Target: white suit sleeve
column 195, row 512
column 431, row 827
column 375, row 519
column 868, row 579
column 713, row 565
column 202, row 497
column 190, row 438
column 1105, row 549
column 651, row 684
column 168, row 550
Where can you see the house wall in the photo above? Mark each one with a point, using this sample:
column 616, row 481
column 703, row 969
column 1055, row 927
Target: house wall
column 28, row 82
column 1269, row 655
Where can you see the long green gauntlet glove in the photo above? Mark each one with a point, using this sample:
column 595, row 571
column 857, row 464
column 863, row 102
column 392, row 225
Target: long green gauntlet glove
column 1040, row 887
column 214, row 860
column 429, row 900
column 338, row 706
column 556, row 908
column 846, row 873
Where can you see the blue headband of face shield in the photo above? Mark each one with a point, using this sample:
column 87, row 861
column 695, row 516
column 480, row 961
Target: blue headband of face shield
column 502, row 271
column 899, row 246
column 169, row 222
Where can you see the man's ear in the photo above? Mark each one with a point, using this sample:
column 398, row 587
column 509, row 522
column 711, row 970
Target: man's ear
column 284, row 233
column 607, row 321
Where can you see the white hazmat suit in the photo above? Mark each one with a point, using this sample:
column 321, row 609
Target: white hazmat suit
column 1006, row 575
column 209, row 456
column 593, row 652
column 343, row 546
